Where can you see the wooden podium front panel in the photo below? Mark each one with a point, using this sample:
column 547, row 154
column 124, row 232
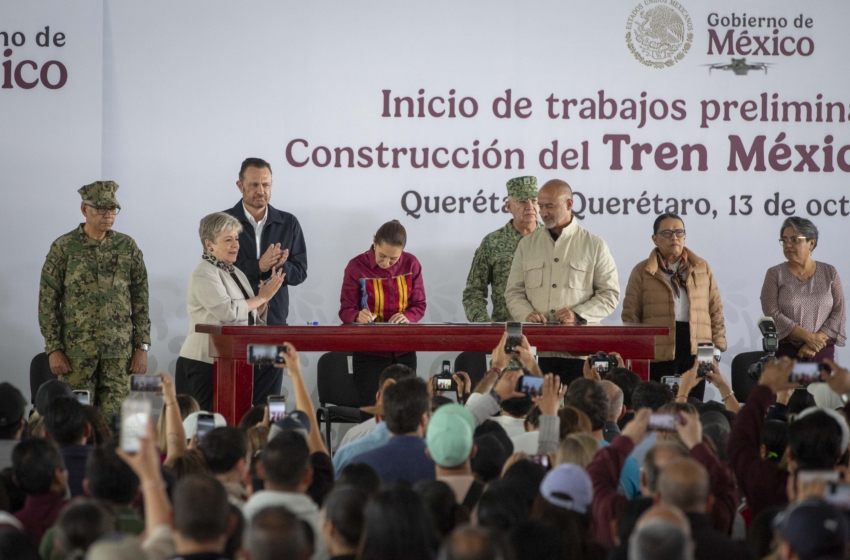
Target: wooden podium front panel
column 234, row 377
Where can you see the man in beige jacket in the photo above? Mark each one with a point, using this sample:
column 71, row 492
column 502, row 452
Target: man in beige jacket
column 561, row 273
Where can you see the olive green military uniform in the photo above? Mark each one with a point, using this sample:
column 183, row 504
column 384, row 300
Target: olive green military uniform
column 93, row 305
column 491, row 264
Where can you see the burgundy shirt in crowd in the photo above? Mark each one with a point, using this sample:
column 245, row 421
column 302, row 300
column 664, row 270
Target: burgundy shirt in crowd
column 39, row 514
column 384, row 291
column 815, row 304
column 605, row 471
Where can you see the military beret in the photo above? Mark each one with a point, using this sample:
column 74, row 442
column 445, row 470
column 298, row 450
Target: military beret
column 522, row 188
column 100, row 194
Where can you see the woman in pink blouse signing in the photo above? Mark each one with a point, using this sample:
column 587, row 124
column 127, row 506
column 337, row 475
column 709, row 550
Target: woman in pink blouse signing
column 382, row 285
column 804, row 297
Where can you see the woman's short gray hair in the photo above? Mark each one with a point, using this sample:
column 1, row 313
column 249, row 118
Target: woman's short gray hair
column 803, row 226
column 215, row 224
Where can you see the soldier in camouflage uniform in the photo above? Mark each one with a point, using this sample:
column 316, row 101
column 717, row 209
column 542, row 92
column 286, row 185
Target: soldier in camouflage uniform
column 491, row 264
column 93, row 303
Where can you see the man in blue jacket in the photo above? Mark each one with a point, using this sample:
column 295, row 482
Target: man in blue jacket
column 270, row 239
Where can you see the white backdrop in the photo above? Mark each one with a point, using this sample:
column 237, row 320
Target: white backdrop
column 192, row 88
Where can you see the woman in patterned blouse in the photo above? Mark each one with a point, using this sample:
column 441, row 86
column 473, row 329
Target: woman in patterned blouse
column 804, row 297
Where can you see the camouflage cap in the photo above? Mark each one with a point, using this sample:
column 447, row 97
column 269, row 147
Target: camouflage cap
column 100, row 193
column 522, row 188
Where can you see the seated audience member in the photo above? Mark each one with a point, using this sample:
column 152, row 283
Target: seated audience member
column 762, row 540
column 257, row 437
column 616, row 410
column 190, row 423
column 528, row 441
column 565, row 499
column 188, row 464
column 116, row 546
column 590, row 397
column 360, row 475
column 256, row 415
column 407, row 407
column 288, row 473
column 225, row 451
column 526, row 476
column 627, row 381
column 514, row 412
column 659, row 456
column 474, row 543
column 446, row 513
column 652, row 395
column 605, row 469
column 100, row 433
column 449, row 436
column 15, row 544
column 396, row 372
column 577, row 449
column 622, row 528
column 201, row 522
column 684, row 483
column 12, row 422
column 503, row 505
column 276, row 534
column 816, row 441
column 80, row 524
column 774, row 442
column 661, row 533
column 716, row 428
column 233, row 546
column 378, row 436
column 49, row 390
column 65, row 423
column 535, row 539
column 812, row 529
column 800, row 400
column 342, row 521
column 187, row 405
column 111, row 480
column 396, row 524
column 40, row 472
column 573, row 421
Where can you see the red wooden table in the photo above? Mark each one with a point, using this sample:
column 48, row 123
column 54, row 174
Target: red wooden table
column 234, row 380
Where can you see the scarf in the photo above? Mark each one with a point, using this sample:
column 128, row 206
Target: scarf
column 679, row 277
column 229, row 268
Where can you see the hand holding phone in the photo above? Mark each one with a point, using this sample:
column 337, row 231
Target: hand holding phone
column 266, row 354
column 805, row 373
column 705, row 358
column 663, row 421
column 530, row 385
column 145, row 383
column 135, row 415
column 277, row 408
column 514, row 330
column 206, row 424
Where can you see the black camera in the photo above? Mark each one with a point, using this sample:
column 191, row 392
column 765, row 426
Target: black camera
column 444, row 381
column 769, row 343
column 602, row 362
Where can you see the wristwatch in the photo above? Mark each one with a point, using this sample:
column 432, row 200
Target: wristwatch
column 144, row 347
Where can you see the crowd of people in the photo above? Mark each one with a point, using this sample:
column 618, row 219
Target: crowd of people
column 584, row 471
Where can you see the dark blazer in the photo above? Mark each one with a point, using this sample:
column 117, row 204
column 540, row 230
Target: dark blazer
column 281, row 227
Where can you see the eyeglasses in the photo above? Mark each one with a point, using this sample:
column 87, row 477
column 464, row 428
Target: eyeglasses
column 667, row 233
column 104, row 211
column 792, row 240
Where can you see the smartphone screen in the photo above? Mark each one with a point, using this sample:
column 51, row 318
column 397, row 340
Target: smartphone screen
column 805, row 373
column 206, row 423
column 83, row 396
column 266, row 354
column 663, row 421
column 705, row 358
column 531, row 386
column 145, row 383
column 277, row 408
column 806, row 476
column 514, row 339
column 673, row 382
column 838, row 495
column 135, row 415
column 542, row 460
